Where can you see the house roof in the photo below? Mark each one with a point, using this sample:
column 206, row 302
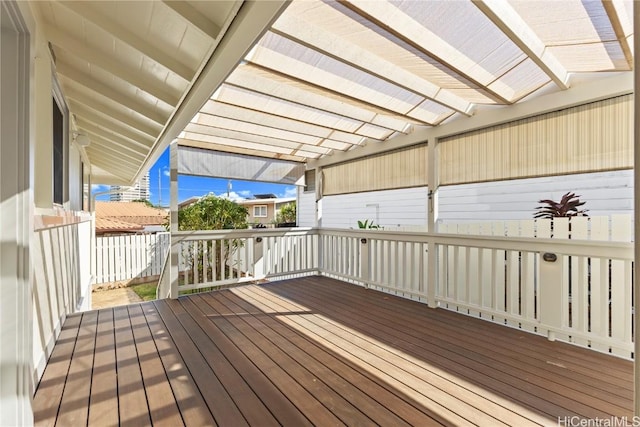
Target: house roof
column 110, row 225
column 258, row 201
column 302, row 80
column 127, row 216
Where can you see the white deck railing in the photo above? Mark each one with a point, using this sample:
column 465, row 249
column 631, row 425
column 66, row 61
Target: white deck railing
column 570, row 290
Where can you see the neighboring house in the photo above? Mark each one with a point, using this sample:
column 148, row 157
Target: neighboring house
column 264, row 208
column 128, row 217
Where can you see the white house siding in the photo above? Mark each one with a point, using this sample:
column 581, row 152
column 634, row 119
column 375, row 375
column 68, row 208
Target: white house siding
column 402, row 207
column 606, row 193
column 306, row 208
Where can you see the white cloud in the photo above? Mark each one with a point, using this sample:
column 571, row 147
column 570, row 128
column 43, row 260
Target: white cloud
column 99, row 187
column 166, row 172
column 232, row 196
column 290, row 192
column 245, row 193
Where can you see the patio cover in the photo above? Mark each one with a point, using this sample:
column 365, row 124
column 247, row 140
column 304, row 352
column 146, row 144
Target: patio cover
column 304, row 79
column 333, row 76
column 203, row 162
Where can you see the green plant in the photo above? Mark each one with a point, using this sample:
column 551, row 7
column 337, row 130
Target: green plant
column 368, row 224
column 287, row 213
column 568, row 206
column 203, row 258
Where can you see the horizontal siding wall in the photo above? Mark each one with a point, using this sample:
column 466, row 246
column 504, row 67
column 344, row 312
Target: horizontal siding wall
column 606, row 193
column 588, row 138
column 306, row 208
column 402, row 207
column 396, row 169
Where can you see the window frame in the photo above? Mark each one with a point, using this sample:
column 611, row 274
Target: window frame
column 266, row 211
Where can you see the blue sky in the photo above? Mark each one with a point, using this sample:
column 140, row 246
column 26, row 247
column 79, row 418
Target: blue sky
column 189, row 186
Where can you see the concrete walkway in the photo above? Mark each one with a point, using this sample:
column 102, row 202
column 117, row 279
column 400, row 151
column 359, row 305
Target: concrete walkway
column 113, row 297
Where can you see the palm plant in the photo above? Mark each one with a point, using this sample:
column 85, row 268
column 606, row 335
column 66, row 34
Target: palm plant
column 568, row 206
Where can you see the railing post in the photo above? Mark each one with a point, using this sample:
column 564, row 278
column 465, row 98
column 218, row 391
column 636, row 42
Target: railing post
column 364, row 261
column 258, row 258
column 175, row 247
column 551, row 301
column 432, row 273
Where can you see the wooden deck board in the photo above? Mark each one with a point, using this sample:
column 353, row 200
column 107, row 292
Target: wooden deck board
column 103, row 399
column 316, row 351
column 486, row 352
column 132, row 398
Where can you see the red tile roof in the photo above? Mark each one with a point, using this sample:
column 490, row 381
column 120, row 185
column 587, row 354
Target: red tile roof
column 127, row 216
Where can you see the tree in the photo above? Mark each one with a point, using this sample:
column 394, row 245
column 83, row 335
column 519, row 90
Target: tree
column 287, row 214
column 209, row 258
column 212, row 213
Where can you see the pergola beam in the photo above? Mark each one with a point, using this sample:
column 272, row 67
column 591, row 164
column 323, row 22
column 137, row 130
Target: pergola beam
column 367, row 10
column 263, row 115
column 253, row 138
column 195, row 18
column 610, row 7
column 110, row 135
column 318, row 87
column 187, row 142
column 513, row 26
column 293, row 91
column 121, row 33
column 320, row 40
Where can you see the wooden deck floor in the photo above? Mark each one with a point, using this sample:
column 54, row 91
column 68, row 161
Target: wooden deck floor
column 316, row 351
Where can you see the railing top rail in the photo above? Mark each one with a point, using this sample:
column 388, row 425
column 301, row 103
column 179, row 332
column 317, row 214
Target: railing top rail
column 593, row 248
column 237, row 234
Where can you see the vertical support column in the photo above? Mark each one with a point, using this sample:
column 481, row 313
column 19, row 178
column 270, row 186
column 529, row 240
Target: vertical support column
column 432, row 218
column 318, row 218
column 636, row 198
column 175, row 247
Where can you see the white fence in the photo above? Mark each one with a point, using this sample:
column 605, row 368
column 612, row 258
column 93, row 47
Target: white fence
column 616, row 228
column 578, row 291
column 130, row 256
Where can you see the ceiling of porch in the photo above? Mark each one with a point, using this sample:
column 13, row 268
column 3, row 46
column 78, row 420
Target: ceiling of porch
column 322, row 77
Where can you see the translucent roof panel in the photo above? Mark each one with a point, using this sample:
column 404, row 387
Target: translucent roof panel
column 331, row 76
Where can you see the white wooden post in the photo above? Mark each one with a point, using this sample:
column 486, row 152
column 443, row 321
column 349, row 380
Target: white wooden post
column 551, row 288
column 258, row 258
column 636, row 192
column 175, row 248
column 432, row 218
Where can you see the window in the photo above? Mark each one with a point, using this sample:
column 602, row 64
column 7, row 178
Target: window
column 309, row 180
column 60, row 145
column 260, row 211
column 58, row 154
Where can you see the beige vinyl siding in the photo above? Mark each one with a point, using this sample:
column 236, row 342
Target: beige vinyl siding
column 397, row 169
column 588, row 138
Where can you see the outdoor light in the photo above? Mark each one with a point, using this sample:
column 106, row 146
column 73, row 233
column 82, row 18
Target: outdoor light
column 82, row 140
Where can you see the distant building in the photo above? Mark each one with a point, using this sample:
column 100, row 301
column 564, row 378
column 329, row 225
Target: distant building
column 263, row 208
column 140, row 191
